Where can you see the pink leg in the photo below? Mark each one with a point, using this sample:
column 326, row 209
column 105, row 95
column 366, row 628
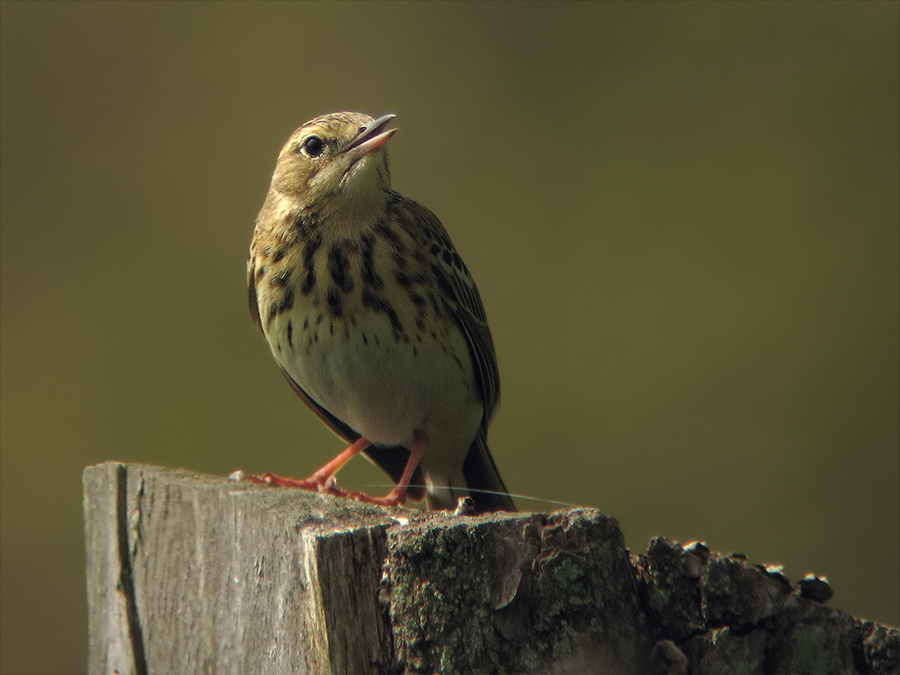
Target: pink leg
column 322, row 480
column 397, row 496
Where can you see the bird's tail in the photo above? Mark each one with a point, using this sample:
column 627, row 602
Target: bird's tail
column 479, row 474
column 483, row 480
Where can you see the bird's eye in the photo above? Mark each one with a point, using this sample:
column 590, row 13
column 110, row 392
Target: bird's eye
column 313, row 146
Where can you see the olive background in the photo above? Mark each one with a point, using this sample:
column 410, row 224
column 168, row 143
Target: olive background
column 683, row 220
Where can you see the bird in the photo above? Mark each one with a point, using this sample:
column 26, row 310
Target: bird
column 374, row 319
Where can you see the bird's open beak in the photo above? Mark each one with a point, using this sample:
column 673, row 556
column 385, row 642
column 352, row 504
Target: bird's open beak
column 372, row 137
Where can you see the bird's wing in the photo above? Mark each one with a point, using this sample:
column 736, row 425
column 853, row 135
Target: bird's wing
column 459, row 292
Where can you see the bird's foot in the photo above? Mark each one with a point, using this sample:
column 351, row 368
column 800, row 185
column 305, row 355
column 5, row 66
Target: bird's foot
column 395, row 497
column 323, row 485
column 315, row 483
column 321, row 481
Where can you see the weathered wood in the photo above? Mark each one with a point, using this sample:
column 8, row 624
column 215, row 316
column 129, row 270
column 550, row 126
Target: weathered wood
column 229, row 578
column 197, row 574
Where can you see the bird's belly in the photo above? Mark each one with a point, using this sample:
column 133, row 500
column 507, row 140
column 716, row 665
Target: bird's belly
column 382, row 384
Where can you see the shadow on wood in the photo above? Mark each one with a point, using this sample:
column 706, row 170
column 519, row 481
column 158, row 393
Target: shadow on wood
column 196, row 574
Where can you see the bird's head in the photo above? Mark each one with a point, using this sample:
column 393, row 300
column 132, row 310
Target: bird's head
column 336, row 163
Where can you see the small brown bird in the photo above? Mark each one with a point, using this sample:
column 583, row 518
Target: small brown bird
column 374, row 318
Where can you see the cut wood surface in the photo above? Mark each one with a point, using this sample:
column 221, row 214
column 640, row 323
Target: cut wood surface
column 188, row 573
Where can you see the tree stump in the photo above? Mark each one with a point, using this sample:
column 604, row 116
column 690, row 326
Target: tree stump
column 189, row 573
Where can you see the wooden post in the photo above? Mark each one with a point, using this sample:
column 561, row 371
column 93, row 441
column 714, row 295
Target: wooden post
column 196, row 574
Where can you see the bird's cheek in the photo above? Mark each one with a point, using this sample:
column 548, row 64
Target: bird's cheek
column 330, row 176
column 290, row 179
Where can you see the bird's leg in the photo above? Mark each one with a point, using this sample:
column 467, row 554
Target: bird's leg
column 322, row 480
column 397, row 496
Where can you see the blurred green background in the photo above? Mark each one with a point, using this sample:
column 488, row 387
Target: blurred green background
column 683, row 219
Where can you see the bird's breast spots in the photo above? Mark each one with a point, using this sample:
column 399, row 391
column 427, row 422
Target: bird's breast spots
column 419, row 303
column 380, row 304
column 308, row 282
column 370, row 275
column 280, row 280
column 435, row 305
column 335, row 302
column 280, row 306
column 310, row 248
column 339, row 268
column 277, row 253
